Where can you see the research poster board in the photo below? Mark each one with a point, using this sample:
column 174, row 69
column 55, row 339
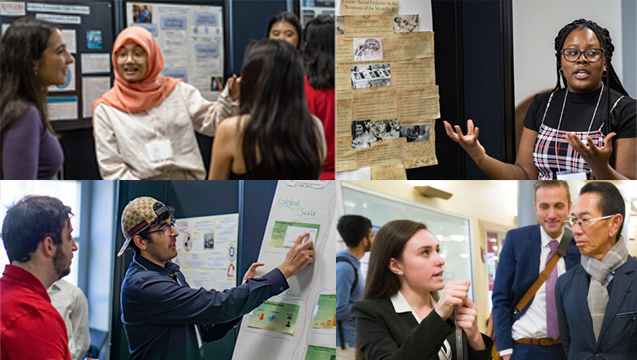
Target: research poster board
column 299, row 323
column 207, row 251
column 191, row 39
column 87, row 30
column 313, row 8
column 387, row 97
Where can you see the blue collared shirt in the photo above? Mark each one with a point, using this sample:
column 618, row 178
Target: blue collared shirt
column 164, row 318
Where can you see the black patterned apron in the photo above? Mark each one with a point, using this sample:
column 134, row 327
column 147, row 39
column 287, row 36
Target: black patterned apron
column 553, row 154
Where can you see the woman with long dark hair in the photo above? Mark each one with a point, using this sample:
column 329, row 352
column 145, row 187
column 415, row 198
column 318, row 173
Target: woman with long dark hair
column 33, row 56
column 275, row 136
column 287, row 27
column 318, row 54
column 402, row 316
column 587, row 130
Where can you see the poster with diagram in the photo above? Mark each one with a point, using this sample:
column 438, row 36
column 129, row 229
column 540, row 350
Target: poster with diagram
column 298, row 323
column 191, row 39
column 207, row 251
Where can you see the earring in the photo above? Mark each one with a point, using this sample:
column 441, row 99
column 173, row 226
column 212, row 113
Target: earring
column 561, row 72
column 604, row 73
column 400, row 273
column 36, row 72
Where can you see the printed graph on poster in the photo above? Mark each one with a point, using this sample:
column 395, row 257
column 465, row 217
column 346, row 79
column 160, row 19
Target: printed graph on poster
column 298, row 322
column 275, row 316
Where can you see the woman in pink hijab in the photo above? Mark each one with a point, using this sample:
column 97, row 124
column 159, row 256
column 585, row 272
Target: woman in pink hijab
column 145, row 125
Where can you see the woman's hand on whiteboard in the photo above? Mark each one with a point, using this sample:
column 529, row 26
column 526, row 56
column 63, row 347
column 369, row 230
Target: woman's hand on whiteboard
column 468, row 142
column 234, row 86
column 251, row 272
column 300, row 256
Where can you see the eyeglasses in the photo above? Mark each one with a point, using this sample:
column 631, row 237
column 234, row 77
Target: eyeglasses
column 592, row 55
column 583, row 223
column 137, row 55
column 166, row 229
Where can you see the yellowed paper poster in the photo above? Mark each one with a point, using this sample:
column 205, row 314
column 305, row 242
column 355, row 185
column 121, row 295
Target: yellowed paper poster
column 369, row 7
column 387, row 98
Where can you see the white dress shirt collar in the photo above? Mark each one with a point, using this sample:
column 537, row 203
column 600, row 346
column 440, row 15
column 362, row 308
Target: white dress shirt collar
column 546, row 238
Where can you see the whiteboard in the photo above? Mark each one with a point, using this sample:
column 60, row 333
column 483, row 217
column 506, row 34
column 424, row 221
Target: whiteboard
column 309, row 202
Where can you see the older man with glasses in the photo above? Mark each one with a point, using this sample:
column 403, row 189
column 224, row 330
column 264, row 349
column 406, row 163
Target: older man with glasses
column 597, row 299
column 164, row 318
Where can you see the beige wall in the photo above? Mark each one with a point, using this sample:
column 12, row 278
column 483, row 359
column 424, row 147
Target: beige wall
column 489, row 205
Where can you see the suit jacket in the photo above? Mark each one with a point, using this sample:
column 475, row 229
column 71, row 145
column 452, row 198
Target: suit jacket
column 384, row 334
column 618, row 336
column 518, row 268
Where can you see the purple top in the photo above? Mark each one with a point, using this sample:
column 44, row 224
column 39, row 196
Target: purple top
column 29, row 150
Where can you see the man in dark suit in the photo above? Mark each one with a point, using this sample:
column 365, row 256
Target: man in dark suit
column 532, row 333
column 597, row 299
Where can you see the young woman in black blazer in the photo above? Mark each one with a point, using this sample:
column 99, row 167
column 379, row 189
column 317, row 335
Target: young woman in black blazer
column 402, row 316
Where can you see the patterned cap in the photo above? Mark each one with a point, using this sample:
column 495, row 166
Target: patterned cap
column 137, row 216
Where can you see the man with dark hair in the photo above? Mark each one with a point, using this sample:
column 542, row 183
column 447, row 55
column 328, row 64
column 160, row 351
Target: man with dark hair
column 163, row 317
column 532, row 332
column 358, row 235
column 597, row 299
column 37, row 236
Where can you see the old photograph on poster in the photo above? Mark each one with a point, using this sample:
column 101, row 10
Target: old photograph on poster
column 142, row 13
column 415, row 133
column 384, row 130
column 368, row 76
column 367, row 49
column 360, row 134
column 405, row 23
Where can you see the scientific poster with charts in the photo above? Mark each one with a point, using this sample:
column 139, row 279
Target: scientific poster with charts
column 190, row 38
column 207, row 251
column 297, row 324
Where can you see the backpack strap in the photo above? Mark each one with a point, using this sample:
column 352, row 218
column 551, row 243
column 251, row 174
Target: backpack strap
column 340, row 326
column 344, row 259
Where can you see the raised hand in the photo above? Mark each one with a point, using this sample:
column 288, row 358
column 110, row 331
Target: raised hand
column 594, row 156
column 251, row 272
column 468, row 142
column 234, row 86
column 453, row 296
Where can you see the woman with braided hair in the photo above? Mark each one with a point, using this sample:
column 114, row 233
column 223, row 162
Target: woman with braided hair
column 583, row 131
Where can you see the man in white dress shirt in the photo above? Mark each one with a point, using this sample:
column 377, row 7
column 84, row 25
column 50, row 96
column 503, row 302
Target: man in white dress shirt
column 533, row 332
column 71, row 303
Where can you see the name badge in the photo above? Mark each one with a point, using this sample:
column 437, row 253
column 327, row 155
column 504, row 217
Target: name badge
column 563, row 175
column 159, row 150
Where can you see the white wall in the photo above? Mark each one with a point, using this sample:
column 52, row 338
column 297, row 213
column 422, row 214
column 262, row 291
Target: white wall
column 535, row 26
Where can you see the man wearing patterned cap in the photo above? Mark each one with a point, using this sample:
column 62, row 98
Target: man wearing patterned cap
column 163, row 317
column 597, row 299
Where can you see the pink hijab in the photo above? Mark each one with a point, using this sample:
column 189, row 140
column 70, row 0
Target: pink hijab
column 149, row 91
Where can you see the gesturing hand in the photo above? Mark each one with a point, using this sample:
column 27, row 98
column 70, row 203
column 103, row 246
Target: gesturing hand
column 593, row 155
column 234, row 86
column 251, row 272
column 468, row 142
column 453, row 296
column 466, row 319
